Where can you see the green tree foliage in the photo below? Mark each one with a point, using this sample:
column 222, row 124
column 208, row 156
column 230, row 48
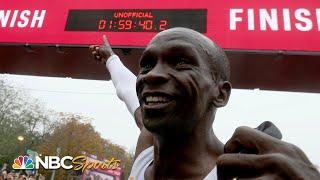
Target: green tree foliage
column 20, row 115
column 44, row 131
column 114, row 150
column 75, row 136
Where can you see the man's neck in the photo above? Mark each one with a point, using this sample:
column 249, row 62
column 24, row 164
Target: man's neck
column 193, row 157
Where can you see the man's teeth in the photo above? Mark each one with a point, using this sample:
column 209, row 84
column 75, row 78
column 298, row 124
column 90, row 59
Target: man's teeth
column 156, row 99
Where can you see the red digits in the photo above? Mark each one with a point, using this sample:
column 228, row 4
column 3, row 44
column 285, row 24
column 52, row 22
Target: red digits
column 141, row 23
column 121, row 24
column 110, row 24
column 146, row 25
column 125, row 24
column 102, row 24
column 163, row 25
column 128, row 24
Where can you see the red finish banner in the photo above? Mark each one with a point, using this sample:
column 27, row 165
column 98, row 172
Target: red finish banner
column 236, row 24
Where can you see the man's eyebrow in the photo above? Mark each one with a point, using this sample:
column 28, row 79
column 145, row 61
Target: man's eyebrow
column 149, row 51
column 185, row 49
column 181, row 46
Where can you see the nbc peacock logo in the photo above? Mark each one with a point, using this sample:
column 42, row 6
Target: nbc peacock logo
column 23, row 162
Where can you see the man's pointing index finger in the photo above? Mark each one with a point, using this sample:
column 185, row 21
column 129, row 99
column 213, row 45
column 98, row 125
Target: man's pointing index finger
column 105, row 41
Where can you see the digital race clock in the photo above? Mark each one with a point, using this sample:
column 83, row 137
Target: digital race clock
column 136, row 20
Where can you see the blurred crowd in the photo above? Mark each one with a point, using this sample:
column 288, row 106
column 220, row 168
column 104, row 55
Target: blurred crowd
column 6, row 173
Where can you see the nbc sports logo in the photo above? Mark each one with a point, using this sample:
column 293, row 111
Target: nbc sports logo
column 54, row 162
column 23, row 162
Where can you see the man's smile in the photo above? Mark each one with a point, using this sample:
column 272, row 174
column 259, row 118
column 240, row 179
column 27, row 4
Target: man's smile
column 152, row 100
column 156, row 100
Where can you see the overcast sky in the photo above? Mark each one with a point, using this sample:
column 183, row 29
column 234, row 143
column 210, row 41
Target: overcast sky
column 296, row 114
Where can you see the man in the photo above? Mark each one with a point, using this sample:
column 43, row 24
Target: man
column 183, row 80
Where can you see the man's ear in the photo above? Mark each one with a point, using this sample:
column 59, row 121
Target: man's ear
column 222, row 94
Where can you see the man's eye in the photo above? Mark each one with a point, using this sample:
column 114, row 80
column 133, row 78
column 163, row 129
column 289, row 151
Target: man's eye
column 145, row 68
column 148, row 66
column 182, row 64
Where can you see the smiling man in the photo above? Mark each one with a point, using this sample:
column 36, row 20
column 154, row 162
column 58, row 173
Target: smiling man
column 183, row 80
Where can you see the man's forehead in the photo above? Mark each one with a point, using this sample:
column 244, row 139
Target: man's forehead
column 183, row 36
column 172, row 44
column 175, row 36
column 176, row 47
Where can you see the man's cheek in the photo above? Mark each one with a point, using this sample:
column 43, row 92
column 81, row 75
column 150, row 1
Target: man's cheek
column 200, row 87
column 190, row 86
column 197, row 87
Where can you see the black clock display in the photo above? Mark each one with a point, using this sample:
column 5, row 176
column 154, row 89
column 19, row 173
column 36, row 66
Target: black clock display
column 136, row 20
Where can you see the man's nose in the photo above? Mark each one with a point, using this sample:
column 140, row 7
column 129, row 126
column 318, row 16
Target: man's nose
column 158, row 75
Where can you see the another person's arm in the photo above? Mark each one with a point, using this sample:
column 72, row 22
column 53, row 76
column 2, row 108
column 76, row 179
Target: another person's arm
column 265, row 157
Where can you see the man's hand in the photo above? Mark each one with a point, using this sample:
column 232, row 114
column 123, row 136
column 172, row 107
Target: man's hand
column 103, row 52
column 266, row 158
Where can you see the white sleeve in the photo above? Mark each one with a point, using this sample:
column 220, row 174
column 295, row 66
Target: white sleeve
column 124, row 81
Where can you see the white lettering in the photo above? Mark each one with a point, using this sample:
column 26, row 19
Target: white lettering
column 265, row 19
column 318, row 18
column 234, row 19
column 38, row 18
column 14, row 17
column 250, row 19
column 43, row 164
column 62, row 162
column 4, row 17
column 273, row 19
column 308, row 23
column 54, row 162
column 286, row 20
column 24, row 19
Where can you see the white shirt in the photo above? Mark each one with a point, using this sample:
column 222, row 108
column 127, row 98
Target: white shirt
column 145, row 158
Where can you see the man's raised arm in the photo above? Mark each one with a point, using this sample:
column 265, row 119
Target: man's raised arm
column 125, row 83
column 122, row 78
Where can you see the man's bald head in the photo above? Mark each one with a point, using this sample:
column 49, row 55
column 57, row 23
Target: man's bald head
column 183, row 79
column 217, row 59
